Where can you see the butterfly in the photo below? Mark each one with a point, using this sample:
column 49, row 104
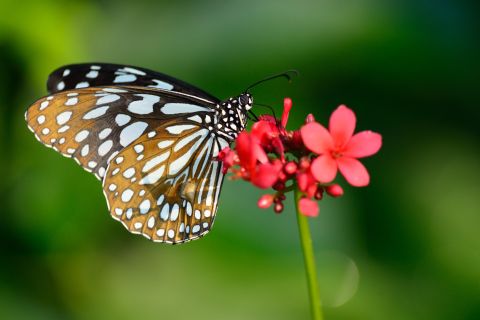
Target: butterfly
column 151, row 139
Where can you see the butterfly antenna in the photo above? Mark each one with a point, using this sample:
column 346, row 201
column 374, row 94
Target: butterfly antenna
column 252, row 116
column 266, row 106
column 287, row 74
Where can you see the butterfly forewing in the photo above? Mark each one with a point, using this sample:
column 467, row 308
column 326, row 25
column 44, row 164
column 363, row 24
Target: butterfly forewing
column 92, row 125
column 77, row 76
column 166, row 185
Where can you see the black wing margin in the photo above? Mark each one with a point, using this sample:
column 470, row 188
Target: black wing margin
column 77, row 76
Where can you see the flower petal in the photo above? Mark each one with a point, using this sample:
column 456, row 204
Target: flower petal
column 249, row 151
column 342, row 125
column 265, row 175
column 324, row 168
column 353, row 171
column 244, row 149
column 264, row 130
column 363, row 144
column 316, row 138
column 308, row 207
column 287, row 106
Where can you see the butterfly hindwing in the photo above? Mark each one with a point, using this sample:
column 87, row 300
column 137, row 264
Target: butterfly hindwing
column 77, row 76
column 166, row 185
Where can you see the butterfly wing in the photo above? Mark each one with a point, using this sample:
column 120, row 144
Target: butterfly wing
column 166, row 186
column 77, row 76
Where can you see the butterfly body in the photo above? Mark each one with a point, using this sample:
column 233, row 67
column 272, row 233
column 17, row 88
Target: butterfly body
column 151, row 139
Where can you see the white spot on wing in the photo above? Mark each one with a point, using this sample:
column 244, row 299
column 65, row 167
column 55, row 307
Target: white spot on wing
column 63, row 117
column 71, row 101
column 130, row 172
column 174, row 108
column 132, row 70
column 122, row 119
column 124, row 78
column 144, row 106
column 161, row 85
column 144, row 206
column 83, row 84
column 92, row 74
column 105, row 147
column 153, row 177
column 179, row 128
column 82, row 135
column 127, row 195
column 95, row 113
column 174, row 213
column 132, row 132
column 165, row 143
column 165, row 211
column 104, row 133
column 108, row 98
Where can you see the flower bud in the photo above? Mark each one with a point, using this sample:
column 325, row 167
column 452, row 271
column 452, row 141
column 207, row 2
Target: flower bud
column 265, row 201
column 290, row 168
column 309, row 118
column 334, row 190
column 311, row 190
column 302, row 181
column 319, row 193
column 304, row 163
column 287, row 105
column 278, row 207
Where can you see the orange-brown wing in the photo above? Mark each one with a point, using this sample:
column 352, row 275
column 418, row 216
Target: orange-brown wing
column 166, row 185
column 92, row 125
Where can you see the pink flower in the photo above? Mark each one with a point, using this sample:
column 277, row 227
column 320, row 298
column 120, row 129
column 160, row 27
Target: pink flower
column 339, row 149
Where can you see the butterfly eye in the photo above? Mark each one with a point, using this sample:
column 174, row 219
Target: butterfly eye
column 246, row 101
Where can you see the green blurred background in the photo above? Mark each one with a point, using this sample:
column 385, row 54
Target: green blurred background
column 406, row 247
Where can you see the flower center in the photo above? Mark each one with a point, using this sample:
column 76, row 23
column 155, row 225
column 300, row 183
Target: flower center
column 336, row 154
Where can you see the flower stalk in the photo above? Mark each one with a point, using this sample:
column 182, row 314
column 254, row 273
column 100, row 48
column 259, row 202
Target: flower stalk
column 309, row 260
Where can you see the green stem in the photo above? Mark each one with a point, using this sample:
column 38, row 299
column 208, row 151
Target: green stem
column 309, row 260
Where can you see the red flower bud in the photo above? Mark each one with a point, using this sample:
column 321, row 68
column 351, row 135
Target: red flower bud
column 319, row 193
column 334, row 190
column 304, row 163
column 302, row 180
column 290, row 168
column 265, row 201
column 309, row 118
column 287, row 105
column 311, row 190
column 278, row 207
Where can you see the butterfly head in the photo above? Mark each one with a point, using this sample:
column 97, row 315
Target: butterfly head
column 245, row 101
